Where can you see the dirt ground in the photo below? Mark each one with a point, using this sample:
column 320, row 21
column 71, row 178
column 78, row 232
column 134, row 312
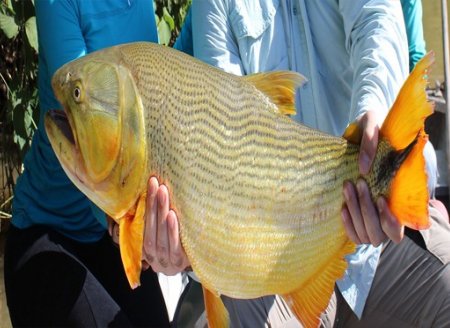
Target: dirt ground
column 4, row 315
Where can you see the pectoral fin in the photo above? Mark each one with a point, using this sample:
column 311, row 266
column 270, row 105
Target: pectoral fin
column 216, row 313
column 131, row 239
column 311, row 300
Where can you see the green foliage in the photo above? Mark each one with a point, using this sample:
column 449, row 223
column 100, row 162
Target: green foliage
column 18, row 73
column 18, row 91
column 170, row 16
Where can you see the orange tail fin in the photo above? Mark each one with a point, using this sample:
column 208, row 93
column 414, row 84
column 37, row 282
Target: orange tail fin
column 408, row 197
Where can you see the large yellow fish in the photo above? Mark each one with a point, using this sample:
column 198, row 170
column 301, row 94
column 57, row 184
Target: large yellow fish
column 258, row 195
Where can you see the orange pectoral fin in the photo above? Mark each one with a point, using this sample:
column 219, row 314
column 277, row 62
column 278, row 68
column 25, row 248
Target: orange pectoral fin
column 311, row 300
column 131, row 239
column 408, row 197
column 216, row 313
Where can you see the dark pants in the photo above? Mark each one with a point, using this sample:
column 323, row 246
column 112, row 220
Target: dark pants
column 51, row 280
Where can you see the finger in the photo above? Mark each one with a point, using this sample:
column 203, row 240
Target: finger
column 151, row 221
column 348, row 225
column 110, row 225
column 145, row 265
column 178, row 257
column 115, row 233
column 390, row 225
column 351, row 200
column 370, row 214
column 162, row 239
column 369, row 142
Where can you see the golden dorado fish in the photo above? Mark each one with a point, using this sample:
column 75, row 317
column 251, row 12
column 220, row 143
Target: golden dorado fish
column 258, row 196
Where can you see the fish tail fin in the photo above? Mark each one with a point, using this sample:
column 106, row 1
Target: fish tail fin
column 408, row 196
column 404, row 128
column 131, row 240
column 407, row 116
column 216, row 313
column 310, row 300
column 279, row 87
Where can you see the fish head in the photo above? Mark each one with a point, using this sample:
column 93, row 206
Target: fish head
column 99, row 138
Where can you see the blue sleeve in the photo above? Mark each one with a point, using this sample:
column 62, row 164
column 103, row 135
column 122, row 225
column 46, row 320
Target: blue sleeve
column 376, row 41
column 184, row 39
column 60, row 36
column 412, row 12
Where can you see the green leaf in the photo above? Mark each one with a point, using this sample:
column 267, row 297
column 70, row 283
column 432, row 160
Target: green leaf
column 30, row 29
column 164, row 32
column 10, row 6
column 168, row 19
column 8, row 26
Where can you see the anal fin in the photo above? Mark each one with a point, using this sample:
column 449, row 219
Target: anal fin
column 131, row 240
column 216, row 313
column 311, row 300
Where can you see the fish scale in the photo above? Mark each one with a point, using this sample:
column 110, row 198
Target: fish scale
column 258, row 196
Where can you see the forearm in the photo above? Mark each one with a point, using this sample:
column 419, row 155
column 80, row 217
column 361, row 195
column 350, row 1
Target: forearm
column 376, row 40
column 213, row 39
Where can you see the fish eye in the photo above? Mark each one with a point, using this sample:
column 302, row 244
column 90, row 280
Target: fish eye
column 77, row 94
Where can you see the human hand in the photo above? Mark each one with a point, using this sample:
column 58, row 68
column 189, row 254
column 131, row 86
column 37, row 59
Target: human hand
column 162, row 245
column 364, row 221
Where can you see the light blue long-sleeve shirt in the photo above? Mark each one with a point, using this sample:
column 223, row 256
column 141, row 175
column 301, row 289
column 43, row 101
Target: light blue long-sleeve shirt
column 68, row 29
column 354, row 54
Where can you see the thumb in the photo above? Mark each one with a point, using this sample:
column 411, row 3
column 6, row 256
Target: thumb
column 369, row 141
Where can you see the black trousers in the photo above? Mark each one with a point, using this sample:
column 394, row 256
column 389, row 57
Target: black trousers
column 52, row 280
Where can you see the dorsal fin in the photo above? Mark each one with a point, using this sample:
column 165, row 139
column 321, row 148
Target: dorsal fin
column 353, row 134
column 279, row 87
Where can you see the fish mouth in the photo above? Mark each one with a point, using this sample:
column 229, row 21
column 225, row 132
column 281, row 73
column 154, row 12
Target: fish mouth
column 61, row 120
column 64, row 142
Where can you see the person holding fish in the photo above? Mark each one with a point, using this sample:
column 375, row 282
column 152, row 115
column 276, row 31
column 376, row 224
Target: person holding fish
column 355, row 56
column 61, row 268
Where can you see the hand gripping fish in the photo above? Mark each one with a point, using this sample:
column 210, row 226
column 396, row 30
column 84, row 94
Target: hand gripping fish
column 258, row 195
